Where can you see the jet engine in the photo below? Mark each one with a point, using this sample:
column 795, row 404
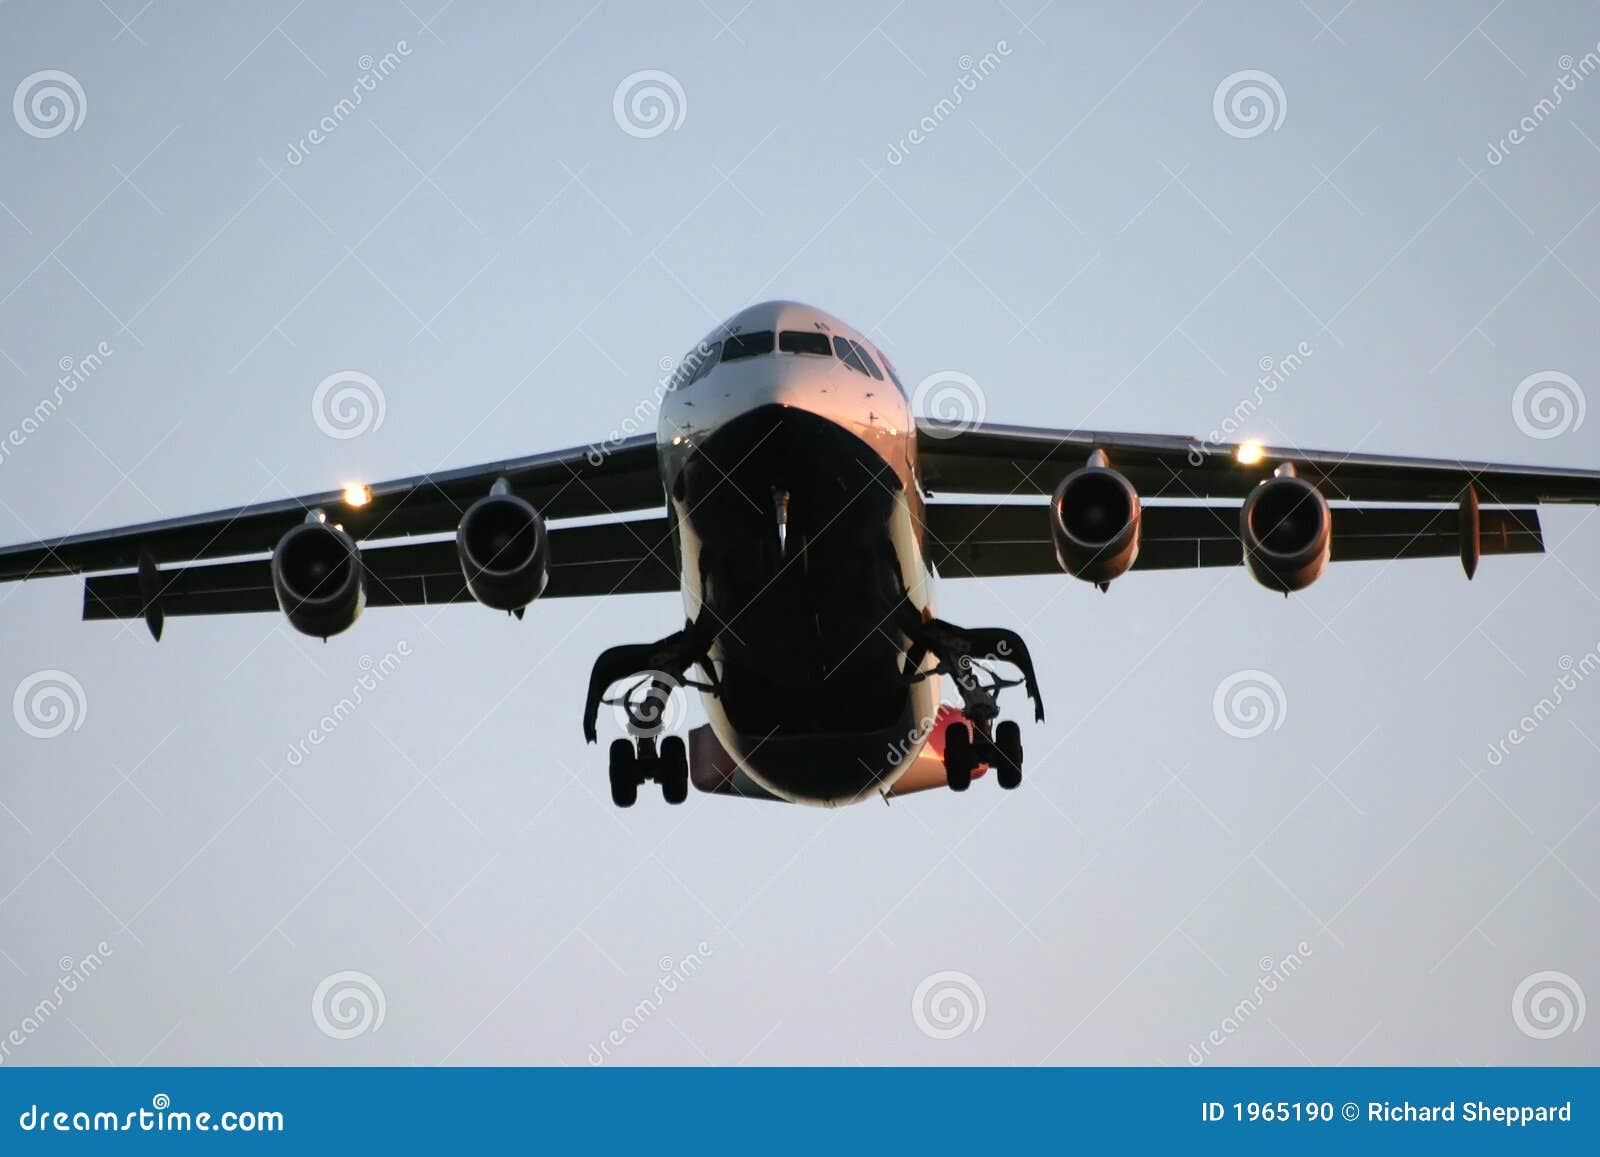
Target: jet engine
column 1287, row 531
column 1094, row 522
column 504, row 551
column 319, row 578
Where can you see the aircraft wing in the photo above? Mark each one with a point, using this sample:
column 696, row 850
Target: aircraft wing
column 1383, row 507
column 184, row 554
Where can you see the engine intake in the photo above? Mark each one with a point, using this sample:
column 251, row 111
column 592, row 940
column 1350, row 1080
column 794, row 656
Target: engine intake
column 1287, row 532
column 1094, row 522
column 504, row 551
column 319, row 579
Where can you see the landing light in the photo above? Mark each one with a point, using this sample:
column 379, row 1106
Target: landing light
column 1249, row 453
column 357, row 495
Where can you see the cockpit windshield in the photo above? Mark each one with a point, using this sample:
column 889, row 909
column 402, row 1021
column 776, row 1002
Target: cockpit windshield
column 799, row 341
column 747, row 345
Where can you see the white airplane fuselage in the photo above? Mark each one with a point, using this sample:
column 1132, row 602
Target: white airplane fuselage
column 791, row 478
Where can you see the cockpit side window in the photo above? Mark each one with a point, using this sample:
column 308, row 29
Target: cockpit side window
column 799, row 341
column 848, row 355
column 867, row 360
column 893, row 377
column 704, row 358
column 747, row 345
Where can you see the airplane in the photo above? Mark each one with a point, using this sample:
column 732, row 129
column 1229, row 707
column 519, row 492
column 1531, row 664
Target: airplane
column 803, row 512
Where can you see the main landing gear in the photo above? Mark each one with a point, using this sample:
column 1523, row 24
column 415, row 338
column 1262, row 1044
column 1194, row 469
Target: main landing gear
column 980, row 737
column 631, row 765
column 659, row 670
column 965, row 750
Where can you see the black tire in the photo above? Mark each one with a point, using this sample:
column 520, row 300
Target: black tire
column 1008, row 754
column 674, row 773
column 958, row 760
column 624, row 773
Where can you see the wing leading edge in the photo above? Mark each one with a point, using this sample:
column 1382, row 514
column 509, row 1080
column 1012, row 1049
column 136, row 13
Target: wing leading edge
column 213, row 563
column 1384, row 507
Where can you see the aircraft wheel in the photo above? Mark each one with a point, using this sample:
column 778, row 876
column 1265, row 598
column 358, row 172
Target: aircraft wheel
column 674, row 773
column 1008, row 751
column 624, row 773
column 958, row 758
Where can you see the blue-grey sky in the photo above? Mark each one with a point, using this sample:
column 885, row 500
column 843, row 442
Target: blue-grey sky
column 1090, row 236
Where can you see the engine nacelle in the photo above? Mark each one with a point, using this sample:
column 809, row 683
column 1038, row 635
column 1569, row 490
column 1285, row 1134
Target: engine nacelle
column 318, row 576
column 1094, row 522
column 1287, row 532
column 504, row 551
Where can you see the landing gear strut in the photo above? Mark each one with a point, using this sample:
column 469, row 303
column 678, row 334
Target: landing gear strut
column 981, row 737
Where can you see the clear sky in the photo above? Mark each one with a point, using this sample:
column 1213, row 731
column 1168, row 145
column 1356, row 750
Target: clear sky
column 1090, row 235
